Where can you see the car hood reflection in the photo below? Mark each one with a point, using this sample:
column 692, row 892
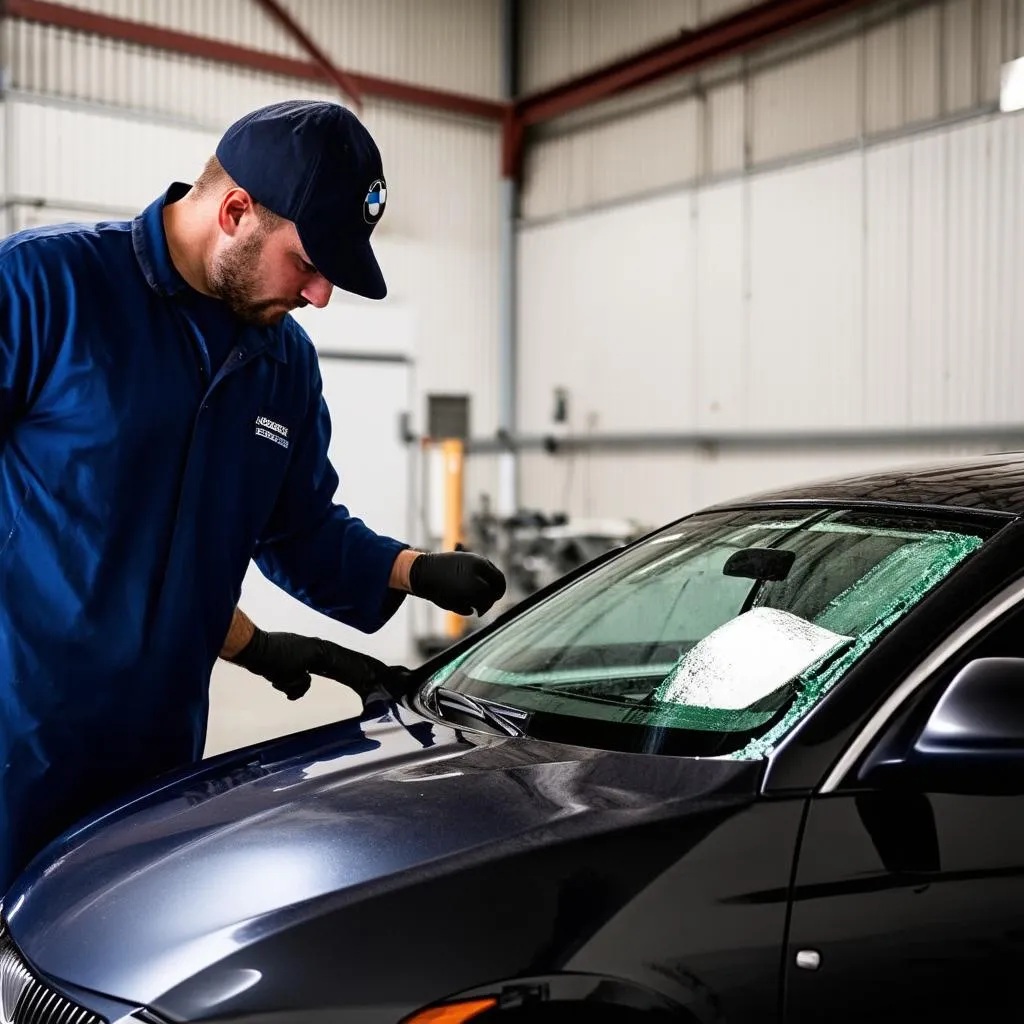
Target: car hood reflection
column 142, row 897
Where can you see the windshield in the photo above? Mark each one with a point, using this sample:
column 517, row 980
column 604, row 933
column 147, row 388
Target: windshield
column 711, row 638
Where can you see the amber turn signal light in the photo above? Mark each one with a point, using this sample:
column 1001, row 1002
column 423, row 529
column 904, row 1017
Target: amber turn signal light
column 452, row 1013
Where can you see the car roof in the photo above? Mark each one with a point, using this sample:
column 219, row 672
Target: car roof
column 990, row 483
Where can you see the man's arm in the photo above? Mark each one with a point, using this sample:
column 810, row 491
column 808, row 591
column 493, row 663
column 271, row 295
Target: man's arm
column 316, row 551
column 240, row 632
column 288, row 660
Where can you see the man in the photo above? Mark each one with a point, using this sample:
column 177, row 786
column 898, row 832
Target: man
column 162, row 423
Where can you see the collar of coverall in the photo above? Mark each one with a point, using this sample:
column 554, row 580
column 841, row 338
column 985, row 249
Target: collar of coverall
column 150, row 244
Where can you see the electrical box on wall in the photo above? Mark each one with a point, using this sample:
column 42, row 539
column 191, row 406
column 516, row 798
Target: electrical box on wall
column 448, row 417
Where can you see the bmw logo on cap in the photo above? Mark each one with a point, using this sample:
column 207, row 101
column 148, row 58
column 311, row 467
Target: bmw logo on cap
column 376, row 197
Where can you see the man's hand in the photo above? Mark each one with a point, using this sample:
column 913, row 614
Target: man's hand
column 457, row 581
column 289, row 659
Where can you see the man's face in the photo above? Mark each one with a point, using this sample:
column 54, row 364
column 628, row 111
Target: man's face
column 263, row 273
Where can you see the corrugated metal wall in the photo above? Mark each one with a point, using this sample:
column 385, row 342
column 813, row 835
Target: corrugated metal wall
column 872, row 289
column 563, row 38
column 449, row 44
column 889, row 66
column 103, row 126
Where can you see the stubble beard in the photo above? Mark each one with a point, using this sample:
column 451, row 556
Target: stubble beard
column 233, row 279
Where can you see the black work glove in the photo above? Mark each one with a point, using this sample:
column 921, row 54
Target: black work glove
column 288, row 660
column 457, row 581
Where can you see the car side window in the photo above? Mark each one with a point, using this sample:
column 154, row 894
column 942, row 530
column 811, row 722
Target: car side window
column 1003, row 639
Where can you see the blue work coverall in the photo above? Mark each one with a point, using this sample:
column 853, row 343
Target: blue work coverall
column 136, row 482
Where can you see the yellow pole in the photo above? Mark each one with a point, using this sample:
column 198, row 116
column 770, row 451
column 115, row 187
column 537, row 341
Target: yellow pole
column 453, row 455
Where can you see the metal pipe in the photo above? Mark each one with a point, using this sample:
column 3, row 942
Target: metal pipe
column 509, row 286
column 342, row 79
column 765, row 440
column 62, row 16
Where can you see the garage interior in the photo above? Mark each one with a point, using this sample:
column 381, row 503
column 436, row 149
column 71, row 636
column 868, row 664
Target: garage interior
column 642, row 257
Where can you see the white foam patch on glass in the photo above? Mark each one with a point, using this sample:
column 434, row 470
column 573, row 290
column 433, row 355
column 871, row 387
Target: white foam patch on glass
column 747, row 659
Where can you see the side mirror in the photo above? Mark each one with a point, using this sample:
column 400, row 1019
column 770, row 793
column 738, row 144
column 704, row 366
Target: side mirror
column 973, row 741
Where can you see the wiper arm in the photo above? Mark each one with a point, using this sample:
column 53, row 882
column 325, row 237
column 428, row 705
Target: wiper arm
column 509, row 720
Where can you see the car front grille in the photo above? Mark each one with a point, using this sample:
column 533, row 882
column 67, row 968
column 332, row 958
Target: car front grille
column 24, row 999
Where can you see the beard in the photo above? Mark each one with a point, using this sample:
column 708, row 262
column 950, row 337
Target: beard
column 234, row 277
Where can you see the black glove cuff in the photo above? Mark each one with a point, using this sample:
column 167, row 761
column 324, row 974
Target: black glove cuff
column 253, row 655
column 419, row 564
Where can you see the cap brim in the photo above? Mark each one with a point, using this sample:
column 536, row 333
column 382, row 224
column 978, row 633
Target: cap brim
column 353, row 268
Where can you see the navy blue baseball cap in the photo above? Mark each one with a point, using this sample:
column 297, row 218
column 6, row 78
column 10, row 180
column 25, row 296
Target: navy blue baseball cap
column 316, row 165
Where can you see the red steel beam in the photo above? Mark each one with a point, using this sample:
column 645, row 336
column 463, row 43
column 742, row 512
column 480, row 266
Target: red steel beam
column 722, row 38
column 341, row 78
column 63, row 16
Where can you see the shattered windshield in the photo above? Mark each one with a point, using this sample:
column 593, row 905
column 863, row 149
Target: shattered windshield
column 713, row 637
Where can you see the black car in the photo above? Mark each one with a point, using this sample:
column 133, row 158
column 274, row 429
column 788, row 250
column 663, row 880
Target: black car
column 766, row 764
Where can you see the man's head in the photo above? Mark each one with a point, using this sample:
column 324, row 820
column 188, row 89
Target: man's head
column 255, row 260
column 298, row 189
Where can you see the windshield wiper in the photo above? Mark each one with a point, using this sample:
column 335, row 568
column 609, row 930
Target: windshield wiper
column 509, row 720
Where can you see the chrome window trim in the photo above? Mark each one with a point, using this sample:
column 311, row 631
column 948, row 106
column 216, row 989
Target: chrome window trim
column 1008, row 598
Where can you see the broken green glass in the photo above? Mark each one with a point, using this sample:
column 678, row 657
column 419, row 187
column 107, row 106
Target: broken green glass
column 867, row 609
column 664, row 638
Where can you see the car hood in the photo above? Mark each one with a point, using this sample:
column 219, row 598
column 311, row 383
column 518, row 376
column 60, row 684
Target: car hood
column 146, row 894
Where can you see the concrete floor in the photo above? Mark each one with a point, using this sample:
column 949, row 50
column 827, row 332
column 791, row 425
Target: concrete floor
column 245, row 708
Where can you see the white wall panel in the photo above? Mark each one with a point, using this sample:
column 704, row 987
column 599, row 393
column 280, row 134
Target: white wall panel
column 808, row 103
column 1007, row 217
column 548, row 178
column 633, row 156
column 806, row 296
column 926, row 331
column 88, row 158
column 886, row 67
column 722, row 313
column 656, row 488
column 960, row 72
column 883, row 77
column 878, row 288
column 994, row 45
column 603, row 310
column 453, row 44
column 923, row 81
column 888, row 368
column 724, row 128
column 655, row 148
column 454, row 291
column 969, row 354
